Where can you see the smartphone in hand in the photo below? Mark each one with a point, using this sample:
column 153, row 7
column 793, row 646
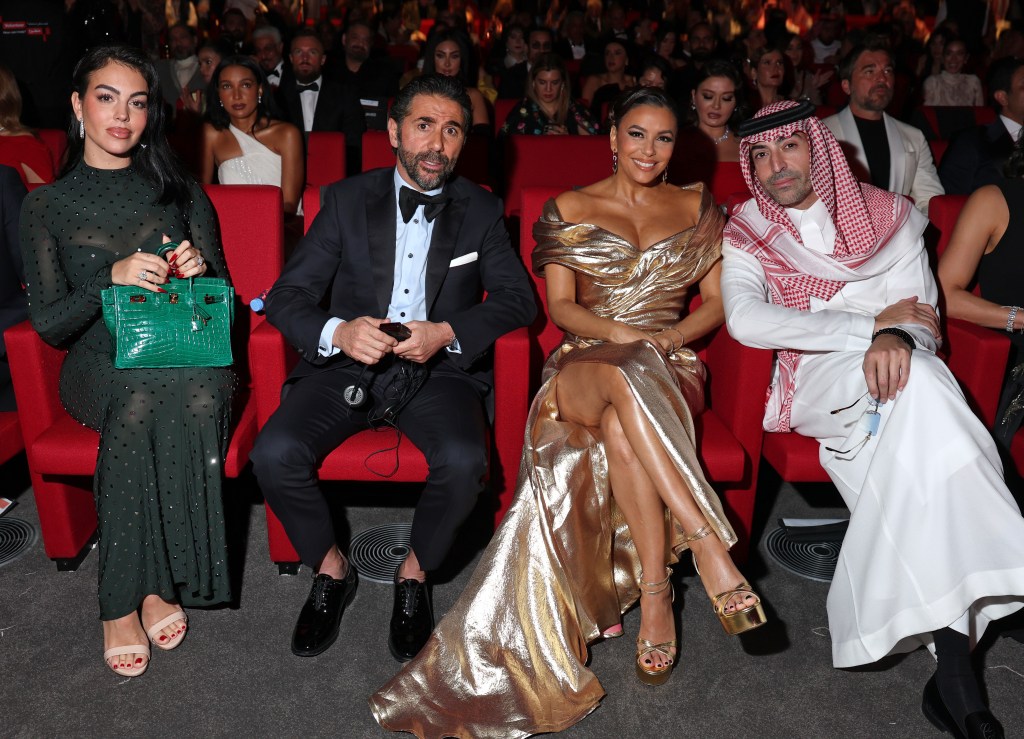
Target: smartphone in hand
column 397, row 331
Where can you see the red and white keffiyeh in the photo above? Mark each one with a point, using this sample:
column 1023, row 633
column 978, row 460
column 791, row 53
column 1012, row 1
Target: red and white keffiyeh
column 865, row 218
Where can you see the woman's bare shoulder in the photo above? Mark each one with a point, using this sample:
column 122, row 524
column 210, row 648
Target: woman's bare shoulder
column 577, row 205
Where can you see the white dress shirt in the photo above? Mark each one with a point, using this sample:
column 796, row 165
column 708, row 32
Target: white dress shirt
column 307, row 100
column 408, row 290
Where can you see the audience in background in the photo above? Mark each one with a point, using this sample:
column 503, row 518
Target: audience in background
column 181, row 80
column 20, row 148
column 448, row 52
column 806, row 83
column 952, row 86
column 243, row 143
column 548, row 108
column 768, row 76
column 976, row 157
column 269, row 47
column 314, row 102
column 513, row 79
column 604, row 87
column 881, row 150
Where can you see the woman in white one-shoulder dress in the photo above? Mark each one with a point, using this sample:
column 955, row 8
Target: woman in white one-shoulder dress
column 242, row 142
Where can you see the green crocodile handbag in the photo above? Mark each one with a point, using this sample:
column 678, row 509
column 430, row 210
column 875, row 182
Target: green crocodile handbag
column 187, row 326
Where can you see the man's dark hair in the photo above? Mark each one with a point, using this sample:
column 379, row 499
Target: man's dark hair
column 539, row 29
column 450, row 88
column 306, row 33
column 850, row 60
column 1000, row 77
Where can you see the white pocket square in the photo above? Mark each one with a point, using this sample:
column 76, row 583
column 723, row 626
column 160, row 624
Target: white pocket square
column 464, row 259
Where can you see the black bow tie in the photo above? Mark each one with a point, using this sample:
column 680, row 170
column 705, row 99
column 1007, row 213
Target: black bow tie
column 311, row 87
column 409, row 199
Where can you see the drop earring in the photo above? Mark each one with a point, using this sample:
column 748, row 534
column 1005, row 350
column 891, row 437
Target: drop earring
column 693, row 105
column 259, row 99
column 615, row 162
column 81, row 128
column 664, row 176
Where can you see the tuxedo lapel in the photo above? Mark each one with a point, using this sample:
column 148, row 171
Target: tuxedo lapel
column 381, row 212
column 442, row 245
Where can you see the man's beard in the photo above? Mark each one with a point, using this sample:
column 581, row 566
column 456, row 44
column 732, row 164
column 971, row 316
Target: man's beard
column 794, row 195
column 876, row 104
column 425, row 181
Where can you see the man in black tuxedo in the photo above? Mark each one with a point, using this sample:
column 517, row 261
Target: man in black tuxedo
column 513, row 80
column 976, row 157
column 409, row 245
column 314, row 102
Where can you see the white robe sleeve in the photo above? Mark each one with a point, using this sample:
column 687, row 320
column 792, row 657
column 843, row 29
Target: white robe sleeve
column 753, row 321
column 844, row 323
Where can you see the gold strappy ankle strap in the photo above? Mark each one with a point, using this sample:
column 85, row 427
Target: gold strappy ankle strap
column 699, row 534
column 653, row 588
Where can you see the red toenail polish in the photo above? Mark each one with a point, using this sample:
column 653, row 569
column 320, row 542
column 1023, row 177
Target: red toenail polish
column 163, row 638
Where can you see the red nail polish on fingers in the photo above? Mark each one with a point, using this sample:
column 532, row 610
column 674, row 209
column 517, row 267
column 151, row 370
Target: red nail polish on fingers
column 160, row 290
column 173, row 259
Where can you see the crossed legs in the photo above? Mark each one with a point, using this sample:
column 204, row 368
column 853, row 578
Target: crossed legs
column 644, row 482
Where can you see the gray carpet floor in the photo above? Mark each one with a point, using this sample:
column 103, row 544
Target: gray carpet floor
column 235, row 675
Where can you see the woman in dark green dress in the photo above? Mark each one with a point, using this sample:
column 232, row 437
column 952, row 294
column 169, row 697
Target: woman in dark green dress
column 163, row 432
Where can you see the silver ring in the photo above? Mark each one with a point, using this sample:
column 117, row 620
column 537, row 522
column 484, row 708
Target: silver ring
column 142, row 275
column 200, row 261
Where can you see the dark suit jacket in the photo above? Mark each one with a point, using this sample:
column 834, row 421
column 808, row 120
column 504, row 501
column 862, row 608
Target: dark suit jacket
column 13, row 303
column 169, row 86
column 513, row 82
column 337, row 109
column 975, row 158
column 349, row 256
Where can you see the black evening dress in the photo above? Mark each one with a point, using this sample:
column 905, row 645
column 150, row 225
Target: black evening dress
column 1001, row 280
column 163, row 432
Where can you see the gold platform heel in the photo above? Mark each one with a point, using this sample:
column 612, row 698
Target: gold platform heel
column 652, row 675
column 740, row 620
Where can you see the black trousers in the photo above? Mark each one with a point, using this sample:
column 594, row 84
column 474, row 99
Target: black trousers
column 445, row 420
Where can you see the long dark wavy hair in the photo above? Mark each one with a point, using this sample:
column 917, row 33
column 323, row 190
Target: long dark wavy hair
column 723, row 68
column 216, row 113
column 152, row 157
column 467, row 60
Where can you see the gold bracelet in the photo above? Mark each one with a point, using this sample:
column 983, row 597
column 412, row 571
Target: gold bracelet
column 682, row 339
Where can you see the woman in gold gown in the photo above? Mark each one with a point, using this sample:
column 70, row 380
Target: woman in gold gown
column 610, row 486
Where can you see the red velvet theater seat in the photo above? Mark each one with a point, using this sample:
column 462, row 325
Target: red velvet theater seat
column 325, row 157
column 560, row 162
column 62, row 453
column 728, row 433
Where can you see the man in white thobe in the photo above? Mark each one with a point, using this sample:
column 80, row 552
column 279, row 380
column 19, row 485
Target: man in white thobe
column 832, row 274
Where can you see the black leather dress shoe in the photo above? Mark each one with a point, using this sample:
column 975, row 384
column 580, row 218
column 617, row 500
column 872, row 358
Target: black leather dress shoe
column 979, row 725
column 318, row 623
column 412, row 619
